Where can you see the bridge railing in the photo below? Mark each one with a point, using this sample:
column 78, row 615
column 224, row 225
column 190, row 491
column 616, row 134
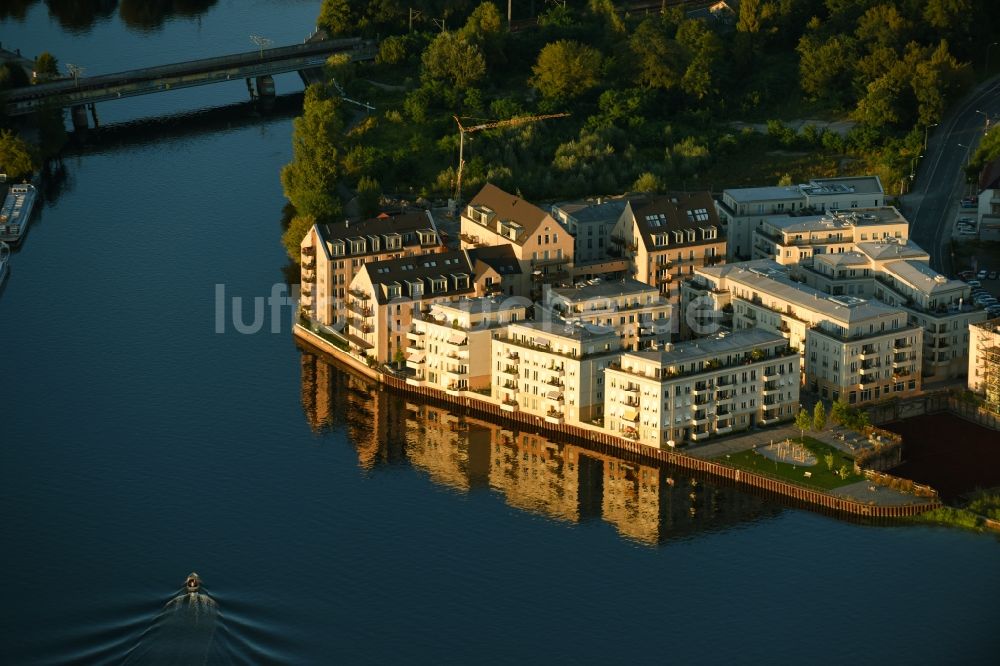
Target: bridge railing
column 189, row 67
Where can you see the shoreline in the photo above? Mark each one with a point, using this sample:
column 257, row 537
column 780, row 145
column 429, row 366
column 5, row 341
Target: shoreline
column 593, row 437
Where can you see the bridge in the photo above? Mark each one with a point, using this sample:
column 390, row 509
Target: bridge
column 261, row 64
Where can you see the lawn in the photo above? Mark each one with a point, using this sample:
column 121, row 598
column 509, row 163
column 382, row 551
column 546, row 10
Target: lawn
column 821, row 477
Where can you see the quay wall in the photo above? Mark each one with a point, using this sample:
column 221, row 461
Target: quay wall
column 611, row 444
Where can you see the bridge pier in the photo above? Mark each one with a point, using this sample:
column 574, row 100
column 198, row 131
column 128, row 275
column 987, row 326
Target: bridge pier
column 253, row 93
column 93, row 113
column 265, row 86
column 78, row 114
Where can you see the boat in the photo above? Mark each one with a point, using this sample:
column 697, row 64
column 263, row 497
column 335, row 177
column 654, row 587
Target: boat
column 16, row 212
column 4, row 259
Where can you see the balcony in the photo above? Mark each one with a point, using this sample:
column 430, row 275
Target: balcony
column 871, row 371
column 512, row 356
column 868, row 353
column 770, row 373
column 414, row 348
column 309, row 251
column 365, row 311
column 723, row 429
column 510, row 385
column 509, row 405
column 414, row 334
column 509, row 370
column 700, row 435
column 454, row 388
column 307, row 289
column 557, row 370
column 770, row 388
column 903, row 362
column 700, row 420
column 702, row 389
column 360, row 295
column 901, row 344
column 769, row 417
column 416, row 380
column 554, row 416
column 554, row 381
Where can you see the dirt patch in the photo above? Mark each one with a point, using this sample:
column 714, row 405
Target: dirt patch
column 948, row 453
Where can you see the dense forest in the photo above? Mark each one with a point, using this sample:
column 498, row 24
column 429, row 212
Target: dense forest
column 659, row 98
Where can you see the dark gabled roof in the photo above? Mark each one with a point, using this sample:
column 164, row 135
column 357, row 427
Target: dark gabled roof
column 510, row 207
column 500, row 258
column 384, row 223
column 674, row 212
column 989, row 177
column 422, row 269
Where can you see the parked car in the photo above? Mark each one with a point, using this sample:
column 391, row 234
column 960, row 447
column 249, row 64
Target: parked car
column 992, row 275
column 966, row 220
column 966, row 275
column 969, row 202
column 974, row 283
column 982, row 274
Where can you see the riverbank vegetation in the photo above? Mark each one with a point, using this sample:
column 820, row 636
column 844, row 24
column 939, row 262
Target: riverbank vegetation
column 658, row 100
column 972, row 513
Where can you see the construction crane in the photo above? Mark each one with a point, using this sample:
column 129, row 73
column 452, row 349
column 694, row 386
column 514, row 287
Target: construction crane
column 462, row 131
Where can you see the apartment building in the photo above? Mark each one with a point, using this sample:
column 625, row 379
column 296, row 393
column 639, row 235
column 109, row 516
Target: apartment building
column 984, row 362
column 332, row 254
column 449, row 347
column 797, row 239
column 668, row 237
column 898, row 274
column 542, row 246
column 385, row 296
column 705, row 387
column 592, row 223
column 498, row 271
column 553, row 369
column 635, row 310
column 863, row 350
column 742, row 210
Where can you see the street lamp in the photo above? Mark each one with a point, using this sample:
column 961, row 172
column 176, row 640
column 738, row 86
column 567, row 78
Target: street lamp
column 262, row 42
column 913, row 163
column 927, row 127
column 75, row 71
column 986, row 63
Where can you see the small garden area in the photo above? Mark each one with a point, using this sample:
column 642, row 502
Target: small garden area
column 833, row 468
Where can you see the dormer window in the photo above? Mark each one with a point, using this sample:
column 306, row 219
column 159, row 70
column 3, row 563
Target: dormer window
column 357, row 246
column 337, row 248
column 393, row 241
column 394, row 290
column 461, row 281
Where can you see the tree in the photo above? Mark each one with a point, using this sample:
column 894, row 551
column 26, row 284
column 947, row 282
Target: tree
column 838, row 412
column 605, row 10
column 936, row 82
column 826, row 68
column 18, row 158
column 46, row 65
column 452, row 58
column 883, row 25
column 566, row 70
column 392, row 50
column 310, row 179
column 828, row 459
column 648, row 182
column 335, row 17
column 659, row 60
column 12, row 76
column 819, row 416
column 369, row 195
column 803, row 422
column 293, row 235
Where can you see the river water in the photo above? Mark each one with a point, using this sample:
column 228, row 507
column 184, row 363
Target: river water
column 331, row 521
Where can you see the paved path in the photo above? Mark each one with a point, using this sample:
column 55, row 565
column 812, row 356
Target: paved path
column 717, row 449
column 866, row 491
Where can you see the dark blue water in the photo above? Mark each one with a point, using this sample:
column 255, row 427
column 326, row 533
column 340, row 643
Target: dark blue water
column 328, row 521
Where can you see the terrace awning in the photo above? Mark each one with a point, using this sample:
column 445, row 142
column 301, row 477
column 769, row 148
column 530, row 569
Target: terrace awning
column 631, row 414
column 417, row 357
column 457, row 338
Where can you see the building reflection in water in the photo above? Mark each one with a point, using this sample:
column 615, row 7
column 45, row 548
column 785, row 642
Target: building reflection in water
column 565, row 482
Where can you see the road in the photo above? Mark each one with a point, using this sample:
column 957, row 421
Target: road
column 932, row 203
